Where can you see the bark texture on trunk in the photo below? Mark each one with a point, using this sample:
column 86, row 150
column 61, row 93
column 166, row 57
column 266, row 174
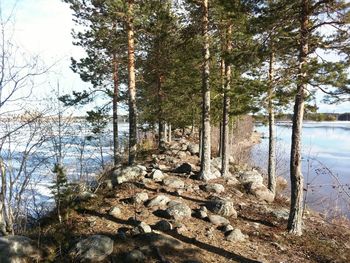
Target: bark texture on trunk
column 169, row 132
column 225, row 114
column 296, row 208
column 115, row 110
column 272, row 137
column 3, row 231
column 205, row 173
column 132, row 84
column 161, row 134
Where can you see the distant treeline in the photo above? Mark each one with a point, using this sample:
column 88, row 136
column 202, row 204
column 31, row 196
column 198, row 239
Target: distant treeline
column 307, row 116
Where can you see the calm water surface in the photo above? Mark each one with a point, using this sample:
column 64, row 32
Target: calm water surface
column 326, row 162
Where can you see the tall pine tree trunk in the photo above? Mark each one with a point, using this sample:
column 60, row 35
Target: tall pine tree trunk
column 115, row 110
column 272, row 137
column 169, row 132
column 132, row 84
column 161, row 122
column 296, row 207
column 205, row 173
column 225, row 115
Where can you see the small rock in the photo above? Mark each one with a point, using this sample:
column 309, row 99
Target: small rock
column 222, row 207
column 164, row 225
column 135, row 256
column 142, row 228
column 180, row 228
column 115, row 212
column 203, row 212
column 178, row 211
column 160, row 200
column 214, row 188
column 173, row 183
column 157, row 175
column 235, row 235
column 218, row 220
column 94, row 248
column 210, row 232
column 228, row 228
column 140, row 198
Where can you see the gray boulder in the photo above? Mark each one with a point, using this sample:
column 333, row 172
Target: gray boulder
column 250, row 177
column 142, row 228
column 173, row 183
column 236, row 235
column 261, row 192
column 15, row 249
column 222, row 207
column 214, row 188
column 218, row 220
column 94, row 248
column 128, row 174
column 159, row 200
column 281, row 214
column 214, row 174
column 139, row 198
column 203, row 212
column 178, row 210
column 157, row 175
column 164, row 225
column 115, row 212
column 193, row 148
column 228, row 228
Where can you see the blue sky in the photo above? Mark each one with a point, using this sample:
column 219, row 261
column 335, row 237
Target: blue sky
column 43, row 27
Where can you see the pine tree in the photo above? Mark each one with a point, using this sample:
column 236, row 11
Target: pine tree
column 102, row 40
column 61, row 190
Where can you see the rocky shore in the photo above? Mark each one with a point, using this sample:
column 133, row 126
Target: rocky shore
column 157, row 211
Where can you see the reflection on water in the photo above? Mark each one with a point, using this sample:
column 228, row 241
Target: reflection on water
column 326, row 162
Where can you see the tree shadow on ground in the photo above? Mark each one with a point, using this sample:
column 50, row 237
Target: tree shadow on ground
column 260, row 221
column 212, row 249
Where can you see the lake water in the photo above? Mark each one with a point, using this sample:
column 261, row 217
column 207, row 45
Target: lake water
column 29, row 155
column 325, row 162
